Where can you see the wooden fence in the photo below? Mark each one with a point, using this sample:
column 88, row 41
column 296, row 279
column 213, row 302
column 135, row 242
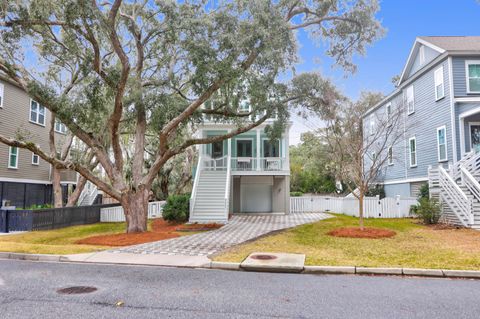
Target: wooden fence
column 50, row 218
column 374, row 207
column 115, row 214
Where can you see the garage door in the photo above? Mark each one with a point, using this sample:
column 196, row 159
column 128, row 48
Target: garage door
column 256, row 198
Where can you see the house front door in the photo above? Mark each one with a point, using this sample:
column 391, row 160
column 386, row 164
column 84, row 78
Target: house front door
column 217, row 149
column 475, row 137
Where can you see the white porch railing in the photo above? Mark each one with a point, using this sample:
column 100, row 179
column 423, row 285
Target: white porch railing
column 470, row 182
column 453, row 196
column 374, row 207
column 115, row 214
column 264, row 164
column 195, row 184
column 214, row 164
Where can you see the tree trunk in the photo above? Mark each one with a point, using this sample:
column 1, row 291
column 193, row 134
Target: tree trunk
column 57, row 188
column 73, row 198
column 360, row 210
column 164, row 186
column 135, row 207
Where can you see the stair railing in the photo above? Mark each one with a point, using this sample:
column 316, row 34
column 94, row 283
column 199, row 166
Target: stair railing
column 195, row 184
column 470, row 182
column 454, row 197
column 227, row 187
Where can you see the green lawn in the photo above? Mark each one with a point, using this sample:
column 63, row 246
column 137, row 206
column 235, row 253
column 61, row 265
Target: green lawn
column 58, row 241
column 414, row 245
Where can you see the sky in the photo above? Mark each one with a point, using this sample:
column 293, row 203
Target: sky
column 404, row 21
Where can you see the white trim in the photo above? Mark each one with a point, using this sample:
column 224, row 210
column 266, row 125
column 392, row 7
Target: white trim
column 421, row 55
column 406, row 180
column 431, row 45
column 2, row 94
column 388, row 110
column 470, row 112
column 23, row 180
column 38, row 159
column 16, row 157
column 444, row 128
column 37, row 112
column 452, row 110
column 410, row 152
column 441, row 82
column 407, row 89
column 467, row 64
column 466, row 99
column 462, row 137
column 470, row 132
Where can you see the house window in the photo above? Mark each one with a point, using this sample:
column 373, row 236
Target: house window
column 244, row 148
column 271, row 149
column 372, row 124
column 442, row 144
column 473, row 76
column 2, row 89
column 390, row 155
column 409, row 100
column 439, row 87
column 37, row 113
column 412, row 143
column 60, row 127
column 13, row 157
column 244, row 107
column 389, row 113
column 35, row 159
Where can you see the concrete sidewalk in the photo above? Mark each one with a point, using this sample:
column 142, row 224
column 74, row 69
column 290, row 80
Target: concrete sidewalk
column 140, row 259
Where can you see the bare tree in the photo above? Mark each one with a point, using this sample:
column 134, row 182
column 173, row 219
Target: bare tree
column 113, row 69
column 360, row 148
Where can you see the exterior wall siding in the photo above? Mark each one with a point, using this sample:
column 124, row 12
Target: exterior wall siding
column 422, row 124
column 14, row 120
column 459, row 75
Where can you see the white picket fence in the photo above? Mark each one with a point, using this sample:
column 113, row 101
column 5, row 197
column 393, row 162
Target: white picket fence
column 115, row 214
column 374, row 207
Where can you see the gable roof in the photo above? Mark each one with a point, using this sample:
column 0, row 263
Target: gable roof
column 454, row 43
column 443, row 45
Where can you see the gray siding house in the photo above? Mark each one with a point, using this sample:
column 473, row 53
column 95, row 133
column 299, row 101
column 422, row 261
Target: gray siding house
column 25, row 179
column 439, row 88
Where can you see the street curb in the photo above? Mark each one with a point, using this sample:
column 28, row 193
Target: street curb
column 328, row 270
column 311, row 270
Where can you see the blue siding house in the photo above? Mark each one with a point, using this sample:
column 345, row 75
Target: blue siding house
column 439, row 88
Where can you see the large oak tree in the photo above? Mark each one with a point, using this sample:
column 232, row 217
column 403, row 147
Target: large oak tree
column 116, row 69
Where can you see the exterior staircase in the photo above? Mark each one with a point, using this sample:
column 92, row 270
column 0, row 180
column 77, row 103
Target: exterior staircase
column 211, row 191
column 89, row 195
column 458, row 190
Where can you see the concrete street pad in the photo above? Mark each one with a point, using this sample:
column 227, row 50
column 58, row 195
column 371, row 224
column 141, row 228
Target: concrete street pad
column 274, row 262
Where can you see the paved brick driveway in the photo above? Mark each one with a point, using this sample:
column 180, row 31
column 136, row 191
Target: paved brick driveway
column 238, row 230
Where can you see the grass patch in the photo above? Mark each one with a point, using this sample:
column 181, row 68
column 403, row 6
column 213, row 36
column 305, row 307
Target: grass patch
column 414, row 245
column 62, row 241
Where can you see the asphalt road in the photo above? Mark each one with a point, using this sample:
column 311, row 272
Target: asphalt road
column 29, row 290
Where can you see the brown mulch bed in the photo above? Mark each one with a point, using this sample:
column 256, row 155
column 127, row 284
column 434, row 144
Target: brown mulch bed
column 160, row 230
column 367, row 232
column 198, row 227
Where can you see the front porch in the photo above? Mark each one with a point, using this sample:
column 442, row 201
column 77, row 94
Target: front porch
column 469, row 127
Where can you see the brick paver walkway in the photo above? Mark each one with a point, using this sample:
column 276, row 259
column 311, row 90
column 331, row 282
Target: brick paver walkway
column 239, row 229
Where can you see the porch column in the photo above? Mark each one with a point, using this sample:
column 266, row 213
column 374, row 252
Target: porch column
column 229, row 146
column 258, row 149
column 286, row 142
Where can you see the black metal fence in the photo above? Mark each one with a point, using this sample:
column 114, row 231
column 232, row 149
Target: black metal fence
column 51, row 218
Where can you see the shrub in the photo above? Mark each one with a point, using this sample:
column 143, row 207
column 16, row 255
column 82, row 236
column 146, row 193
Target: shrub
column 296, row 194
column 176, row 209
column 424, row 191
column 428, row 210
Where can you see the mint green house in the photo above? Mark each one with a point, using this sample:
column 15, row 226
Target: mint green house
column 246, row 174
